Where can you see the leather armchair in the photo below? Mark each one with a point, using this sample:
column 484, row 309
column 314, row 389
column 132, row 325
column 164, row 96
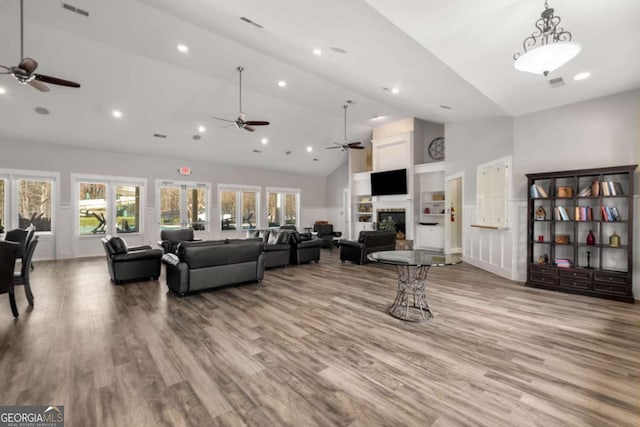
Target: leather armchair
column 135, row 263
column 276, row 246
column 170, row 239
column 304, row 249
column 368, row 242
column 326, row 234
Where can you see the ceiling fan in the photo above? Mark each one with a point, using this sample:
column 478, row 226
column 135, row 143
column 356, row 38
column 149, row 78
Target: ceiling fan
column 24, row 71
column 346, row 145
column 241, row 122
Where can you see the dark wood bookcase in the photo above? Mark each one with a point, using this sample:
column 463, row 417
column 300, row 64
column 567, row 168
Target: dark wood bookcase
column 558, row 256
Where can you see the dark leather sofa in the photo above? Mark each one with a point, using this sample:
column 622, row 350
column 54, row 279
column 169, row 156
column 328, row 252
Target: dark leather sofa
column 368, row 242
column 212, row 263
column 135, row 263
column 170, row 239
column 287, row 246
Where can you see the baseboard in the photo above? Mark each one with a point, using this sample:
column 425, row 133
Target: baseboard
column 488, row 267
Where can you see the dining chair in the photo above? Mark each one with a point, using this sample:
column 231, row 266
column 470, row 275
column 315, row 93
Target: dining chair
column 22, row 278
column 8, row 253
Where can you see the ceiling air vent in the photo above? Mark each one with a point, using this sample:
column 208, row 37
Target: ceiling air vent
column 159, row 135
column 558, row 81
column 75, row 9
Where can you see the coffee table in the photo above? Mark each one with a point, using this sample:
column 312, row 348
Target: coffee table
column 412, row 268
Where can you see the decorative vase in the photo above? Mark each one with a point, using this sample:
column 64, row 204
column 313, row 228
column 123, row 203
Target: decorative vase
column 614, row 240
column 591, row 239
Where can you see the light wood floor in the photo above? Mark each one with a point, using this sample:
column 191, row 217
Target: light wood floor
column 314, row 345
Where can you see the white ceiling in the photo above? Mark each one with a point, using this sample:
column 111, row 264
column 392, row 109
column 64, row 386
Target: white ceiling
column 455, row 53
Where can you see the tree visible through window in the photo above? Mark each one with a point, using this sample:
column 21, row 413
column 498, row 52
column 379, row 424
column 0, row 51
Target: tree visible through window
column 92, row 208
column 239, row 209
column 34, row 204
column 283, row 208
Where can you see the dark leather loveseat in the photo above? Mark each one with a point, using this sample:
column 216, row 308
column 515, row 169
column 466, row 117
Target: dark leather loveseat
column 131, row 263
column 213, row 263
column 368, row 242
column 287, row 246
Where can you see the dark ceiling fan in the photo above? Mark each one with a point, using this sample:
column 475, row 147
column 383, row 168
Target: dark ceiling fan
column 346, row 145
column 241, row 122
column 24, row 71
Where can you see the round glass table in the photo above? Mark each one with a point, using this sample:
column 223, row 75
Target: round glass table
column 412, row 268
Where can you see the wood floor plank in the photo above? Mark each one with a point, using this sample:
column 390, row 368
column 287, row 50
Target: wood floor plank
column 313, row 345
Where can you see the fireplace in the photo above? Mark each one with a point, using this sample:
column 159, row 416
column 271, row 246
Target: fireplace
column 395, row 218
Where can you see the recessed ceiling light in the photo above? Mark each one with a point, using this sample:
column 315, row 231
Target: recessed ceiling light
column 264, row 141
column 376, row 118
column 282, row 83
column 395, row 91
column 41, row 110
column 2, row 90
column 202, row 129
column 317, row 52
column 183, row 48
column 446, row 107
column 582, row 76
column 116, row 113
column 337, row 49
column 309, row 149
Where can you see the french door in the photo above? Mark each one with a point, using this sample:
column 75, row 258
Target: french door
column 183, row 205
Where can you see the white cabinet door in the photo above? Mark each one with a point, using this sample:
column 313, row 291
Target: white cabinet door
column 430, row 236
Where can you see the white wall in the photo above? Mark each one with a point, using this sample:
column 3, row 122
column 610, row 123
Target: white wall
column 337, row 181
column 65, row 160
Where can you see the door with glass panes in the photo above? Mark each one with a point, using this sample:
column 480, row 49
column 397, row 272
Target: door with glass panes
column 184, row 206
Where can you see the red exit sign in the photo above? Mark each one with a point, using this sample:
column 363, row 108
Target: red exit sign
column 185, row 170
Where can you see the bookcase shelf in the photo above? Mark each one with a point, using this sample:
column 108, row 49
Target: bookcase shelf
column 605, row 197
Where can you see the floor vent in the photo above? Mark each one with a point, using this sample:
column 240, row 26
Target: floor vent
column 75, row 9
column 558, row 81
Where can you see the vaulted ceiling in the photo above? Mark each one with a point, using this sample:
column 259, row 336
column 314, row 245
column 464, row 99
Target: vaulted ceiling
column 455, row 54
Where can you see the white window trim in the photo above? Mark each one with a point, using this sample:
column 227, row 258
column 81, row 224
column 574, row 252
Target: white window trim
column 238, row 188
column 111, row 182
column 12, row 176
column 283, row 190
column 160, row 183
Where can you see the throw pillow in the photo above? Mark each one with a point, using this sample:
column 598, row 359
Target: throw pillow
column 119, row 246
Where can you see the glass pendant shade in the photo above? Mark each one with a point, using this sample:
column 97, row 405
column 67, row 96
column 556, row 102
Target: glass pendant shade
column 547, row 58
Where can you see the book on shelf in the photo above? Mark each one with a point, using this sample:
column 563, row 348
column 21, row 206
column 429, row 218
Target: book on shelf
column 611, row 188
column 583, row 213
column 564, row 263
column 610, row 213
column 561, row 213
column 586, row 191
column 537, row 192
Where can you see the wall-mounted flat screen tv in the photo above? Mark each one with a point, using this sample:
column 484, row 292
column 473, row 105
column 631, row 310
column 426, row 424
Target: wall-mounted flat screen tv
column 388, row 183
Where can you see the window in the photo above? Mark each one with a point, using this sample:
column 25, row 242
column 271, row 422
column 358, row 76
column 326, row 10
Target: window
column 34, row 204
column 183, row 205
column 27, row 197
column 108, row 205
column 284, row 207
column 92, row 208
column 239, row 207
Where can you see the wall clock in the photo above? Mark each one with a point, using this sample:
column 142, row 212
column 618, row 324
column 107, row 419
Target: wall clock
column 436, row 149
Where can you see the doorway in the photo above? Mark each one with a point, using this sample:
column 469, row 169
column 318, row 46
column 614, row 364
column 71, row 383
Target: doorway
column 453, row 222
column 183, row 205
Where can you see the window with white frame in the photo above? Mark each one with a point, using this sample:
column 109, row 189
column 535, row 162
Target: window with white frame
column 183, row 205
column 108, row 205
column 27, row 198
column 283, row 207
column 239, row 207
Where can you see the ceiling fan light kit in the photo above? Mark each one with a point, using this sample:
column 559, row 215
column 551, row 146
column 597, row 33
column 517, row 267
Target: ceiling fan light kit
column 241, row 122
column 24, row 71
column 548, row 47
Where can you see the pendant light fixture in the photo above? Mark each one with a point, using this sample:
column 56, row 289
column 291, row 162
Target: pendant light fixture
column 547, row 48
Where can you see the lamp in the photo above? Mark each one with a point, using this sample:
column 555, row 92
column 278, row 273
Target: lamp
column 547, row 48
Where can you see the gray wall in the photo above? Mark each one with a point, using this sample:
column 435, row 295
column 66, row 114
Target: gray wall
column 65, row 160
column 471, row 143
column 337, row 181
column 596, row 133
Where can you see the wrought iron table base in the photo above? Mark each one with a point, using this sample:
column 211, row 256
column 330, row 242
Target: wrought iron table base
column 411, row 300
